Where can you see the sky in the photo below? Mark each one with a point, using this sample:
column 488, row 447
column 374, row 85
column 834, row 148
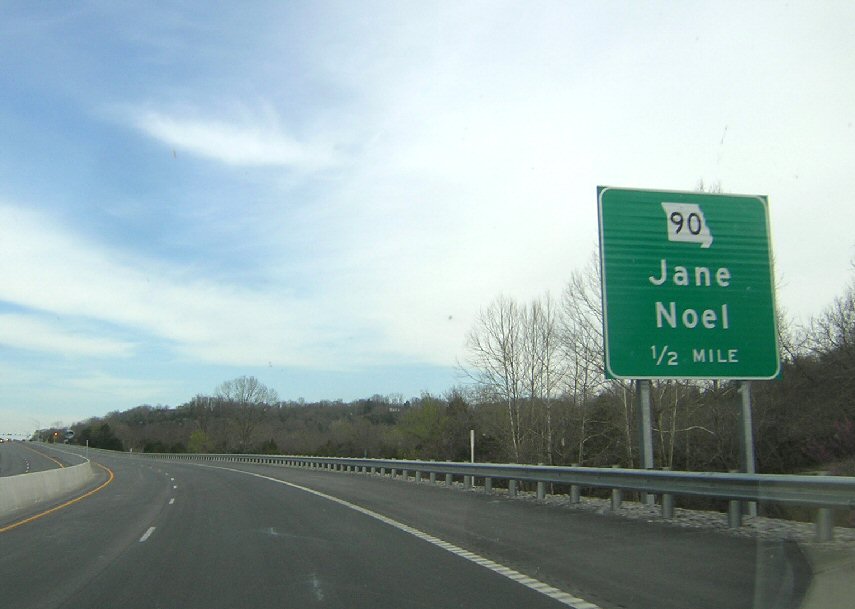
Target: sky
column 324, row 194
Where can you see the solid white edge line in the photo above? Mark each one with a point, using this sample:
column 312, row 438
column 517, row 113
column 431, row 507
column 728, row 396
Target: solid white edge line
column 147, row 534
column 529, row 582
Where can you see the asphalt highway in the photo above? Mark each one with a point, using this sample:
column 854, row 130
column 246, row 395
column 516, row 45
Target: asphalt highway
column 24, row 457
column 163, row 535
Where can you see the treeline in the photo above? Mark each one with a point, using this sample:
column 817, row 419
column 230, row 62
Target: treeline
column 543, row 362
column 380, row 426
column 538, row 395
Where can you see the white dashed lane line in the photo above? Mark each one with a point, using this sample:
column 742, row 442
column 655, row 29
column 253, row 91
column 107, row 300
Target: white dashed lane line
column 147, row 534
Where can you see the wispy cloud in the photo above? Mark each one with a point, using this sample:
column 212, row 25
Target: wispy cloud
column 239, row 143
column 49, row 269
column 98, row 382
column 31, row 333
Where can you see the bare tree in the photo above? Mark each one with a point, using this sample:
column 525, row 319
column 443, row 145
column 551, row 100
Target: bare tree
column 202, row 410
column 544, row 367
column 494, row 358
column 582, row 340
column 833, row 331
column 249, row 397
column 714, row 188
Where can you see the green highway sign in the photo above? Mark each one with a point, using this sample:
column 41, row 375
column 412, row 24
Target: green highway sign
column 688, row 289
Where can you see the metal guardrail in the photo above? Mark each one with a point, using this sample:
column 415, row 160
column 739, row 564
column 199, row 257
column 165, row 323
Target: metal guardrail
column 824, row 493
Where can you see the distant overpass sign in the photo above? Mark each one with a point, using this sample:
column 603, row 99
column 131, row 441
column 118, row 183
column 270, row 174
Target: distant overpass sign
column 688, row 289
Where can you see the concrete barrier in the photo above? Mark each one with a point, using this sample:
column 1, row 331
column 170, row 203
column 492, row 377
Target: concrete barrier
column 29, row 490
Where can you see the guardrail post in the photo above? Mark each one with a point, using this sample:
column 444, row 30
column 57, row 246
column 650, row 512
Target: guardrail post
column 394, row 473
column 667, row 500
column 575, row 494
column 617, row 497
column 734, row 514
column 382, row 471
column 433, row 477
column 488, row 485
column 467, row 482
column 405, row 474
column 512, row 488
column 449, row 479
column 824, row 524
column 418, row 477
column 667, row 505
column 541, row 490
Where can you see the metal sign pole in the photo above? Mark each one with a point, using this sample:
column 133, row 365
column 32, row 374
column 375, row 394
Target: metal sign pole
column 645, row 432
column 746, row 437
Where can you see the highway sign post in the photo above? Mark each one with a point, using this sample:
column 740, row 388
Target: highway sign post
column 688, row 292
column 688, row 289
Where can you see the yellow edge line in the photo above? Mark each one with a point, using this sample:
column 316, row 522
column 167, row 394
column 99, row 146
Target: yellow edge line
column 110, row 477
column 41, row 454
